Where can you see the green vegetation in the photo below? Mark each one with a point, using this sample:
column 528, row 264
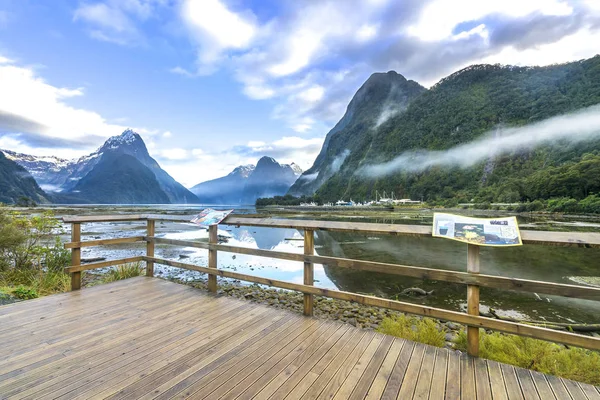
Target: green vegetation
column 550, row 358
column 564, row 176
column 423, row 330
column 124, row 271
column 31, row 263
column 287, row 200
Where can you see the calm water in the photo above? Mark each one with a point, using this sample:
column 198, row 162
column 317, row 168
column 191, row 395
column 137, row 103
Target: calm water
column 552, row 264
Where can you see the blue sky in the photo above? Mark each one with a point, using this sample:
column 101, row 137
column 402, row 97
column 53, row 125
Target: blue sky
column 212, row 84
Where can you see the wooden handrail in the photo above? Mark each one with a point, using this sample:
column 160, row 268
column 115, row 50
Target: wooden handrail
column 492, row 281
column 446, row 315
column 471, row 278
column 568, row 239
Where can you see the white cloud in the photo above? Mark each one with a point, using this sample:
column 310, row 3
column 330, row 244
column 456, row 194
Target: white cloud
column 5, row 60
column 296, row 57
column 216, row 28
column 438, row 18
column 115, row 20
column 167, row 134
column 38, row 108
column 175, row 154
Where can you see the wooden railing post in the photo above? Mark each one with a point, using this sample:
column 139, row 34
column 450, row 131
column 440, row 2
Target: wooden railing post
column 150, row 247
column 309, row 272
column 76, row 256
column 473, row 300
column 212, row 256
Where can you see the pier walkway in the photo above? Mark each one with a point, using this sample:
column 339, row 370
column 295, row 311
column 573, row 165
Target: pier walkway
column 146, row 338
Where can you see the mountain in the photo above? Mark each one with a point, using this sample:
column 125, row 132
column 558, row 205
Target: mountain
column 269, row 179
column 224, row 190
column 248, row 182
column 49, row 172
column 119, row 179
column 16, row 182
column 457, row 110
column 64, row 176
column 382, row 96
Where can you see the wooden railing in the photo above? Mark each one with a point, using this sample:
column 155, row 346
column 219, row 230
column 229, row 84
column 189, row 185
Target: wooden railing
column 472, row 278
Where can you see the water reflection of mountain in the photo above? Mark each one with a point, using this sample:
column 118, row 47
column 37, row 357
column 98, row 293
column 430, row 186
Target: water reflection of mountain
column 265, row 238
column 529, row 262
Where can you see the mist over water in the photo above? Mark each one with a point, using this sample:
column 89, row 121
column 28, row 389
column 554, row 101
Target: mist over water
column 579, row 126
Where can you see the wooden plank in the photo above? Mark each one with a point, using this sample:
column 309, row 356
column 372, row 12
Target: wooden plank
column 438, row 380
column 261, row 376
column 103, row 264
column 590, row 391
column 247, row 323
column 496, row 282
column 150, row 248
column 320, row 379
column 80, row 369
column 574, row 389
column 453, row 377
column 363, row 385
column 462, row 318
column 309, row 273
column 104, row 242
column 473, row 300
column 467, row 377
column 344, row 389
column 103, row 218
column 175, row 351
column 228, row 366
column 542, row 386
column 75, row 256
column 558, row 387
column 232, row 373
column 527, row 385
column 213, row 238
column 397, row 377
column 384, row 373
column 412, row 372
column 496, row 381
column 572, row 239
column 482, row 379
column 513, row 389
column 282, row 384
column 424, row 381
column 328, row 389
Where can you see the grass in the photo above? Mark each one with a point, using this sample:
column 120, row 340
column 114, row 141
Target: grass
column 538, row 355
column 124, row 271
column 423, row 330
column 30, row 282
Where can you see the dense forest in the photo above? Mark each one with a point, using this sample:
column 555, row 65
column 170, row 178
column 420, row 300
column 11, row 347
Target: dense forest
column 458, row 110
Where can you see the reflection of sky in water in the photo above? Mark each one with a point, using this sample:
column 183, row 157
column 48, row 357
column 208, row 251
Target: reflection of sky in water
column 286, row 240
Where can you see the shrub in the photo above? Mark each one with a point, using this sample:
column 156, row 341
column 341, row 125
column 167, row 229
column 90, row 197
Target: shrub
column 24, row 293
column 546, row 357
column 423, row 330
column 124, row 271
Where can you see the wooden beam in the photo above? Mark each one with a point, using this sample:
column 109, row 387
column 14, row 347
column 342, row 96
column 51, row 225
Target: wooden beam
column 492, row 281
column 568, row 239
column 309, row 272
column 103, row 264
column 150, row 248
column 213, row 238
column 103, row 218
column 75, row 256
column 446, row 315
column 473, row 299
column 104, row 242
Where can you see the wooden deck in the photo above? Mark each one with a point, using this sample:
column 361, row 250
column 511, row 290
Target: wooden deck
column 150, row 338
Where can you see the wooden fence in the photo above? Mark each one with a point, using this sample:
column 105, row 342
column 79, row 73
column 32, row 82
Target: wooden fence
column 472, row 278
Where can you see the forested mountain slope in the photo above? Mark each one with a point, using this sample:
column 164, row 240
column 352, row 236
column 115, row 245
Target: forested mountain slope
column 462, row 107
